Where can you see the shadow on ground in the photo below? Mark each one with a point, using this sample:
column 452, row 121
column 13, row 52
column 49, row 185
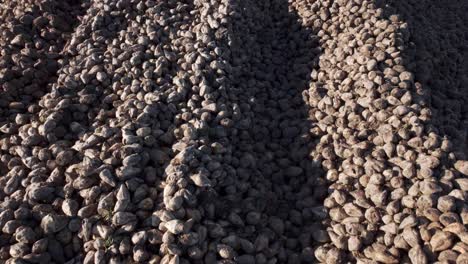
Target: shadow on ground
column 272, row 58
column 32, row 51
column 437, row 53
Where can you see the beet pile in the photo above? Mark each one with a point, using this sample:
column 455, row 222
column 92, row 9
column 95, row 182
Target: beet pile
column 221, row 131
